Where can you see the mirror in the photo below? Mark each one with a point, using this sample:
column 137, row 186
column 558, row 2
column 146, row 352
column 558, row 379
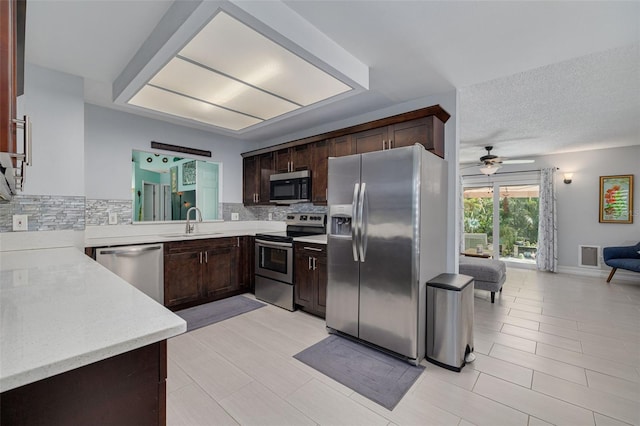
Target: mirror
column 164, row 187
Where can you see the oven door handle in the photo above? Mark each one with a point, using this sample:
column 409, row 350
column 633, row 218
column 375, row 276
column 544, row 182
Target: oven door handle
column 273, row 243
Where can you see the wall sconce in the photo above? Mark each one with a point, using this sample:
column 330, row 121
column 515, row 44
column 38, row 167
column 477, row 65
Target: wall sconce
column 567, row 177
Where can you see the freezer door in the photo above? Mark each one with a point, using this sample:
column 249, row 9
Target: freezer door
column 389, row 290
column 342, row 261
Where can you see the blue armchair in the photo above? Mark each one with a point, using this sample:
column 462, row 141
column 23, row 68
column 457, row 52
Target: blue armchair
column 627, row 257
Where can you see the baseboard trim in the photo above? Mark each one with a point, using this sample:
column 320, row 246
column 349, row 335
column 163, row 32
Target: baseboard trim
column 600, row 273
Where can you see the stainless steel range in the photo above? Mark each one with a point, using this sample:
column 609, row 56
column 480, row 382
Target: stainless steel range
column 274, row 258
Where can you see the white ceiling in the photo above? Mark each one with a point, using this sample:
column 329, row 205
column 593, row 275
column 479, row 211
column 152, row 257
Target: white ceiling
column 534, row 77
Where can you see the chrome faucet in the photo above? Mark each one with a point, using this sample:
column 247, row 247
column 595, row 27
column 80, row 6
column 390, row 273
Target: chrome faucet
column 189, row 228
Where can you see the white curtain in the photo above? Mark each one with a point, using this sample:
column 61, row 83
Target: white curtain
column 547, row 257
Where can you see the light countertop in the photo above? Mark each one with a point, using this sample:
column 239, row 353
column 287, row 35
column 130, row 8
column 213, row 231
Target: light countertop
column 61, row 310
column 159, row 233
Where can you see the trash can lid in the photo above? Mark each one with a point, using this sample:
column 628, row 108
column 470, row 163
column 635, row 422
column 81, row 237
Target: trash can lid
column 453, row 282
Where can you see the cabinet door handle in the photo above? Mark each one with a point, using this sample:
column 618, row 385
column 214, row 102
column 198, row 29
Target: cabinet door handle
column 314, row 263
column 383, row 144
column 238, row 241
column 206, row 257
column 309, row 262
column 200, row 255
column 326, row 193
column 312, row 248
column 390, row 143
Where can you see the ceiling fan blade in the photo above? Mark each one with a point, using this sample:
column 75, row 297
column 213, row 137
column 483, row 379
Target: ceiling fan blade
column 518, row 161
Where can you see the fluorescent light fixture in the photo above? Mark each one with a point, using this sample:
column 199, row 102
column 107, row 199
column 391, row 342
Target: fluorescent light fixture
column 233, row 77
column 489, row 169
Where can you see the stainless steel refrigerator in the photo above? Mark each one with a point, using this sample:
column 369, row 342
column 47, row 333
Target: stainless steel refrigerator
column 386, row 239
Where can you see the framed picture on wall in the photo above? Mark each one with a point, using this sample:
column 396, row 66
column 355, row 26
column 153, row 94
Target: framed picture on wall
column 616, row 199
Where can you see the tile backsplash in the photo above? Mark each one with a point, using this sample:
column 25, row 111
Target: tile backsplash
column 56, row 213
column 45, row 212
column 262, row 212
column 98, row 211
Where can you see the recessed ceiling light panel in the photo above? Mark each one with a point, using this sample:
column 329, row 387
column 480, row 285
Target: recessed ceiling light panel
column 235, row 49
column 170, row 103
column 231, row 76
column 197, row 82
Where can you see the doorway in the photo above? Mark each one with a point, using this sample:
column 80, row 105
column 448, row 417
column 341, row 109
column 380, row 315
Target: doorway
column 156, row 202
column 501, row 220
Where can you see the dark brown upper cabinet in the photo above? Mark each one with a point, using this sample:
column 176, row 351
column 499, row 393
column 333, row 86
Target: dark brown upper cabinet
column 341, row 146
column 424, row 126
column 427, row 131
column 319, row 171
column 293, row 159
column 255, row 179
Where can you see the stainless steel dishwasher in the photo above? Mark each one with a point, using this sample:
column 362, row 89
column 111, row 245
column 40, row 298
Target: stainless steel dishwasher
column 139, row 265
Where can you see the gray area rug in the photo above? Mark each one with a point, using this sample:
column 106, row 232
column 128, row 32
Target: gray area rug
column 211, row 313
column 382, row 378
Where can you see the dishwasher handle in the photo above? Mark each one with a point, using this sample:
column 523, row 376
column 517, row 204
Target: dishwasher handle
column 130, row 251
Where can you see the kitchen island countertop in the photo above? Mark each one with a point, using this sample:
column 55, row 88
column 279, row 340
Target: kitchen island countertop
column 61, row 310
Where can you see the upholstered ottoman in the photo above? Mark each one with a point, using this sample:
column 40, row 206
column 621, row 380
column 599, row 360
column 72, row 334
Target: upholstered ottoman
column 489, row 274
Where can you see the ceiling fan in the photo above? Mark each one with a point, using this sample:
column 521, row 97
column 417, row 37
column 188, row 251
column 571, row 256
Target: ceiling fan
column 491, row 163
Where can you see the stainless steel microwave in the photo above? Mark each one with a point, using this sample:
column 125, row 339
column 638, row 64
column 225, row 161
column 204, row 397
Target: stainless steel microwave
column 289, row 188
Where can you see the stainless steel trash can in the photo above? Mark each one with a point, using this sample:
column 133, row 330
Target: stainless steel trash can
column 450, row 321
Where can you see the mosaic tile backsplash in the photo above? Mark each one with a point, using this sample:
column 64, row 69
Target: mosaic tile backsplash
column 45, row 212
column 98, row 211
column 56, row 213
column 262, row 212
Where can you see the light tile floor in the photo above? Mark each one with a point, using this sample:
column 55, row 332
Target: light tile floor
column 553, row 349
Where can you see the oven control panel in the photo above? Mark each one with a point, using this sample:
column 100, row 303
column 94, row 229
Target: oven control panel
column 306, row 219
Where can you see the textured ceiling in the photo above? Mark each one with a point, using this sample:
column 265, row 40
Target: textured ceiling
column 591, row 102
column 534, row 77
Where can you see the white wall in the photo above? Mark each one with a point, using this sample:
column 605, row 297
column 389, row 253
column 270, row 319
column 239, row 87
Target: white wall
column 578, row 202
column 54, row 102
column 110, row 136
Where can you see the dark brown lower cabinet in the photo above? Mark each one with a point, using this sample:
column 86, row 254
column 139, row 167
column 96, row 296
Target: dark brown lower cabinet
column 311, row 277
column 182, row 274
column 221, row 270
column 127, row 389
column 201, row 271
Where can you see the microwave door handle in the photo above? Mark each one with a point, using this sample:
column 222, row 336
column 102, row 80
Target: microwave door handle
column 354, row 222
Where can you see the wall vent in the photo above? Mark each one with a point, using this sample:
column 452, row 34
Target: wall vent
column 589, row 256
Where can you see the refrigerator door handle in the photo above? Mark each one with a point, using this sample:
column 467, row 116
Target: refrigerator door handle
column 354, row 222
column 361, row 225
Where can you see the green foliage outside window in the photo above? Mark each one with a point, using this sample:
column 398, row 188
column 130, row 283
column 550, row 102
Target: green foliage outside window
column 518, row 220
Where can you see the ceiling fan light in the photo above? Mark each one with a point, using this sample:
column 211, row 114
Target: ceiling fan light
column 489, row 169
